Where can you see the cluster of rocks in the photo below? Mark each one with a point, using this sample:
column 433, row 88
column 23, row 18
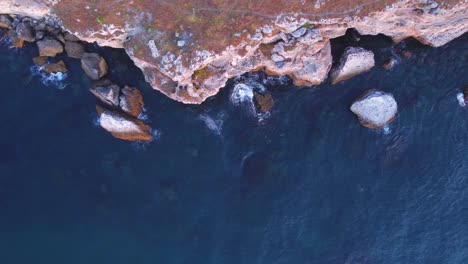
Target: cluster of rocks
column 120, row 110
column 120, row 107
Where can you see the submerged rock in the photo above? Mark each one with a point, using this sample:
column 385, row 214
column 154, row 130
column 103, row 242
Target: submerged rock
column 49, row 47
column 94, row 65
column 107, row 92
column 131, row 101
column 55, row 67
column 74, row 49
column 389, row 64
column 375, row 109
column 122, row 126
column 263, row 101
column 354, row 61
column 40, row 60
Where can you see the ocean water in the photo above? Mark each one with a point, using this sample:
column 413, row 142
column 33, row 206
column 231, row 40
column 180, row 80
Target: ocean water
column 304, row 183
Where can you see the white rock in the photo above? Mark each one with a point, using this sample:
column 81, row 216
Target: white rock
column 375, row 109
column 353, row 62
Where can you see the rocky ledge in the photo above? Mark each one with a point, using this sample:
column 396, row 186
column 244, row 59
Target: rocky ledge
column 189, row 49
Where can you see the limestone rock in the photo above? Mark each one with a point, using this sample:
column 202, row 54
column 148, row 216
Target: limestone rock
column 131, row 101
column 264, row 101
column 122, row 126
column 74, row 49
column 49, row 47
column 354, row 61
column 5, row 21
column 40, row 60
column 107, row 92
column 94, row 65
column 375, row 109
column 25, row 32
column 55, row 67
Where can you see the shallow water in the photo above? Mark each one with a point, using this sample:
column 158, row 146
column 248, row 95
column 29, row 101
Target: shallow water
column 304, row 184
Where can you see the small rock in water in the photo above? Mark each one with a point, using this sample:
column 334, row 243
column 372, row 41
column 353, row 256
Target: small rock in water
column 353, row 62
column 122, row 126
column 55, row 67
column 40, row 60
column 407, row 54
column 15, row 40
column 107, row 92
column 49, row 47
column 5, row 21
column 264, row 101
column 131, row 101
column 74, row 49
column 94, row 65
column 25, row 32
column 389, row 64
column 375, row 109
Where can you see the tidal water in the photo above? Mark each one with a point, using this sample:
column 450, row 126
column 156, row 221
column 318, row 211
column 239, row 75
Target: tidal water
column 222, row 185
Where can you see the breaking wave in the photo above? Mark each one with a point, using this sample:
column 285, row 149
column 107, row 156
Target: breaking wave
column 461, row 99
column 50, row 79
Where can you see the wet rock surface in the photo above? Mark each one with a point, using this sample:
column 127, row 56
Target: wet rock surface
column 353, row 62
column 40, row 60
column 5, row 21
column 55, row 67
column 49, row 47
column 375, row 109
column 94, row 65
column 123, row 126
column 25, row 32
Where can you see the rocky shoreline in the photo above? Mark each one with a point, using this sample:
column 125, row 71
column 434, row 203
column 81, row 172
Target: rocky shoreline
column 294, row 44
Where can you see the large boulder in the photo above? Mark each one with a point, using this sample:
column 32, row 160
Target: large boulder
column 131, row 101
column 55, row 67
column 107, row 92
column 25, row 32
column 354, row 61
column 74, row 49
column 49, row 47
column 375, row 109
column 94, row 65
column 40, row 60
column 123, row 126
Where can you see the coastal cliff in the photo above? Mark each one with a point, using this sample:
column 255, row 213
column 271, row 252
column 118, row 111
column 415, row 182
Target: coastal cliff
column 189, row 49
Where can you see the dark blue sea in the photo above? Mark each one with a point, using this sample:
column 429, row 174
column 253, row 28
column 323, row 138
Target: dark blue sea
column 221, row 184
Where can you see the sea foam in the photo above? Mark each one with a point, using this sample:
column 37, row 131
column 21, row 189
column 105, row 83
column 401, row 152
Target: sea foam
column 50, row 79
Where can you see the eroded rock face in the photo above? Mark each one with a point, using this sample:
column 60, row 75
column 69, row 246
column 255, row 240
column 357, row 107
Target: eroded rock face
column 190, row 58
column 94, row 65
column 354, row 61
column 122, row 126
column 375, row 109
column 49, row 47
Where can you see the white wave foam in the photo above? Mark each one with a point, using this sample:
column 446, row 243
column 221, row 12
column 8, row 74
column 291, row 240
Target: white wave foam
column 242, row 93
column 214, row 125
column 387, row 130
column 156, row 134
column 461, row 99
column 50, row 79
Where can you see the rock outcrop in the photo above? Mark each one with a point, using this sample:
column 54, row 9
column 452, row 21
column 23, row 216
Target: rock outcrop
column 131, row 101
column 122, row 126
column 354, row 61
column 375, row 109
column 74, row 49
column 107, row 92
column 94, row 65
column 189, row 49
